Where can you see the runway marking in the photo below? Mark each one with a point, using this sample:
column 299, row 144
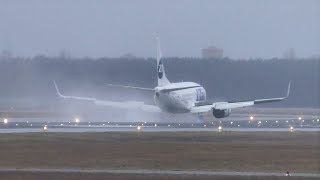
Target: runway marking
column 149, row 129
column 144, row 171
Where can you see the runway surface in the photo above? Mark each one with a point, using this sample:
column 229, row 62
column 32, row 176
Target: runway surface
column 238, row 122
column 150, row 129
column 51, row 125
column 162, row 172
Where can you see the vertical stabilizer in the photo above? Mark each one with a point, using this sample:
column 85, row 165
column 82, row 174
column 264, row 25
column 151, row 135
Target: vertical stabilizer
column 161, row 75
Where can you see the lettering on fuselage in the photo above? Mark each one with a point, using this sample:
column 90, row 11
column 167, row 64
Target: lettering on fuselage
column 201, row 95
column 169, row 102
column 180, row 99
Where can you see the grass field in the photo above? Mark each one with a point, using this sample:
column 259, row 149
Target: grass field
column 217, row 151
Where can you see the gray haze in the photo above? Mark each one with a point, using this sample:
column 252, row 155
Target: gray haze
column 245, row 29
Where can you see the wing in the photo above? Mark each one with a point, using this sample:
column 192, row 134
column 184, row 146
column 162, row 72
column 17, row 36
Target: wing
column 131, row 87
column 133, row 105
column 205, row 106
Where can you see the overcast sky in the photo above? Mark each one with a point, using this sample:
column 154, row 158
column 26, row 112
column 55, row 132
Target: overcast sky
column 244, row 29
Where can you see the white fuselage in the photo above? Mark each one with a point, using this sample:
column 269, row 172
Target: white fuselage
column 179, row 97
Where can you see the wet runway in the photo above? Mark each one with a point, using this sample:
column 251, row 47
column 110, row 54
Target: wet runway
column 20, row 127
column 239, row 122
column 147, row 129
column 163, row 172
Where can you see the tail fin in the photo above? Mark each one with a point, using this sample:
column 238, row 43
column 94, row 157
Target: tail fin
column 162, row 79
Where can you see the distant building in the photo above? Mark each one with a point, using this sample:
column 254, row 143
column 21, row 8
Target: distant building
column 64, row 54
column 128, row 56
column 289, row 54
column 212, row 52
column 5, row 54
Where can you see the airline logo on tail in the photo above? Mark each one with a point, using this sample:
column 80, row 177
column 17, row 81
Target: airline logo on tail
column 160, row 69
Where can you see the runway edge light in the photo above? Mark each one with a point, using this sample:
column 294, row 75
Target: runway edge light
column 291, row 128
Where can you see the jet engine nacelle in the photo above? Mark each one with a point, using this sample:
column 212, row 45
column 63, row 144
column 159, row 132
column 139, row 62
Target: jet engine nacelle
column 217, row 113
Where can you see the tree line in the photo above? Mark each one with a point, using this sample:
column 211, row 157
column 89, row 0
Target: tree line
column 224, row 79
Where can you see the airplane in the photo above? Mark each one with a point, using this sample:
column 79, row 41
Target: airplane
column 179, row 97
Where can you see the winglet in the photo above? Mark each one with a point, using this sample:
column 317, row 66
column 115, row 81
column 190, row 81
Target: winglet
column 71, row 97
column 288, row 90
column 57, row 89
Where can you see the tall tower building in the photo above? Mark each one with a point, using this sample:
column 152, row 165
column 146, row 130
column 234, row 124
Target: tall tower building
column 212, row 52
